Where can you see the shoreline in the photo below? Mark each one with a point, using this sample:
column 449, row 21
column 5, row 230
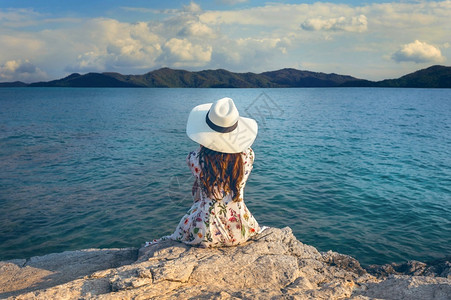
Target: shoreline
column 273, row 264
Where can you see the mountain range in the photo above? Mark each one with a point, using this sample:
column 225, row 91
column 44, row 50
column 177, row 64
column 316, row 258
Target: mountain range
column 432, row 77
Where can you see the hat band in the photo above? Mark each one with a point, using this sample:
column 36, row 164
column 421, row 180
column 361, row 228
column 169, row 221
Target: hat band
column 220, row 128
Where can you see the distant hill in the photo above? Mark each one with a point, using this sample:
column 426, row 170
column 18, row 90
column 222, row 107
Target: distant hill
column 169, row 78
column 13, row 84
column 432, row 77
column 296, row 78
column 87, row 80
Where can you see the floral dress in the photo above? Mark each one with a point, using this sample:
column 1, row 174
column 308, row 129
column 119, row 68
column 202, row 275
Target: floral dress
column 216, row 222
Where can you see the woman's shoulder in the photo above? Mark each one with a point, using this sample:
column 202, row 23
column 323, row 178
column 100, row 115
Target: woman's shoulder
column 249, row 155
column 192, row 156
column 194, row 153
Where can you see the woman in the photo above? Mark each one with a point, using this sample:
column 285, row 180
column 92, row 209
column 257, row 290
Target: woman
column 221, row 166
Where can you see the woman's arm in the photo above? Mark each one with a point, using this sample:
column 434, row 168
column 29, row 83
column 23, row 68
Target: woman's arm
column 196, row 191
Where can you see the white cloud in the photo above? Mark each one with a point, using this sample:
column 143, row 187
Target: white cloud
column 419, row 52
column 405, row 15
column 22, row 70
column 112, row 45
column 196, row 28
column 19, row 44
column 257, row 38
column 233, row 2
column 238, row 54
column 287, row 16
column 18, row 17
column 124, row 47
column 275, row 16
column 353, row 24
column 192, row 7
column 181, row 52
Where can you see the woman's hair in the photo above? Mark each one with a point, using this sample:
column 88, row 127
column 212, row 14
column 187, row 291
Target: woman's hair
column 221, row 172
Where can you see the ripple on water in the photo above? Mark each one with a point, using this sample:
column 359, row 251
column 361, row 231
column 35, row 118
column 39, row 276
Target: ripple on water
column 365, row 172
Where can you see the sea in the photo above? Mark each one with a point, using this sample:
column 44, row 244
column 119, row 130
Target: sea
column 360, row 171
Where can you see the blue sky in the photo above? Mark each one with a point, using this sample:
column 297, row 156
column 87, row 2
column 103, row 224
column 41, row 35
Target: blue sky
column 44, row 40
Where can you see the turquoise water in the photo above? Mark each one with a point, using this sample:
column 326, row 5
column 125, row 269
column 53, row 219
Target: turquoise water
column 366, row 172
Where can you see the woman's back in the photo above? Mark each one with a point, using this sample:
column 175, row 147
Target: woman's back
column 219, row 219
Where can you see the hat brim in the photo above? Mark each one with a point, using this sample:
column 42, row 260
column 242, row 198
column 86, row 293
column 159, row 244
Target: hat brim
column 236, row 141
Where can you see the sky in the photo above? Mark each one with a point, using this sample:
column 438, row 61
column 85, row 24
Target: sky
column 43, row 40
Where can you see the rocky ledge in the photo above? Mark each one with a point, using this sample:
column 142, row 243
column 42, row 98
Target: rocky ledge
column 273, row 265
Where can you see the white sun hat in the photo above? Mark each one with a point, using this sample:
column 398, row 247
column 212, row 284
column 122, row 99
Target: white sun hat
column 219, row 127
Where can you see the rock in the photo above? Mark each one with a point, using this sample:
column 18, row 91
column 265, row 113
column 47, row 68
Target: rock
column 19, row 276
column 409, row 287
column 436, row 268
column 272, row 265
column 343, row 261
